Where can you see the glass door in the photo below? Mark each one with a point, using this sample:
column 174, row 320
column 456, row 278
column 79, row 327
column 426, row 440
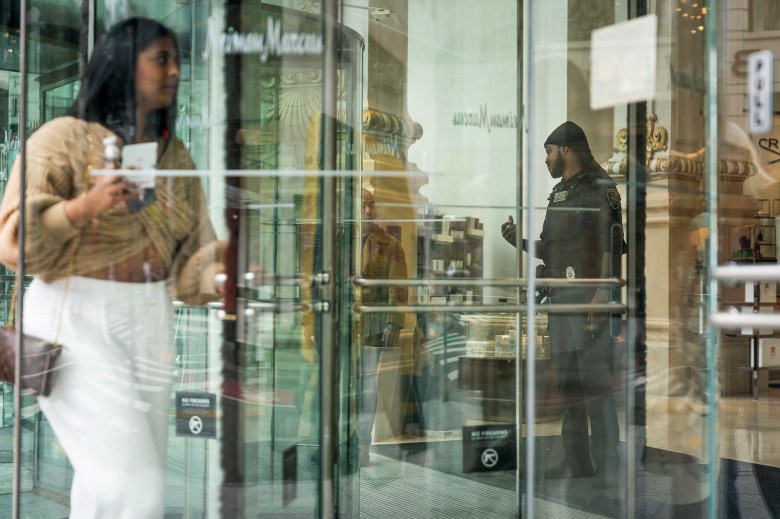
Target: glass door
column 249, row 363
column 676, row 101
column 282, row 299
column 743, row 257
column 36, row 462
column 244, row 421
column 584, row 156
column 506, row 260
column 437, row 295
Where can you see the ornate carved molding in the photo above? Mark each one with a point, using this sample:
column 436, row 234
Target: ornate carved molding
column 657, row 137
column 299, row 100
column 621, row 140
column 310, row 6
column 385, row 124
column 681, row 167
column 291, row 100
column 387, row 134
column 737, row 169
column 665, row 167
column 662, row 164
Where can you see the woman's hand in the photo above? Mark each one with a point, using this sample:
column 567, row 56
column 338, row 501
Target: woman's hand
column 107, row 193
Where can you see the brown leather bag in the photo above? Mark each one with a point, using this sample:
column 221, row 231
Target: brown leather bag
column 39, row 361
column 39, row 357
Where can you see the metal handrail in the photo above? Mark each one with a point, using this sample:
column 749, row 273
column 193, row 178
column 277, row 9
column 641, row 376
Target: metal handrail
column 266, row 307
column 552, row 308
column 276, row 280
column 736, row 319
column 493, row 282
column 726, row 320
column 746, row 272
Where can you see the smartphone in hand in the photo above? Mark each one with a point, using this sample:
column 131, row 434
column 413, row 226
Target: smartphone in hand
column 141, row 160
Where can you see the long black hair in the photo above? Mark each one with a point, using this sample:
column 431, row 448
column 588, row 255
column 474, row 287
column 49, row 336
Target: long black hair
column 107, row 93
column 588, row 161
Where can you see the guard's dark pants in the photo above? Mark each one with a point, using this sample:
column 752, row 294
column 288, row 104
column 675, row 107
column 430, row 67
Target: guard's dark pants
column 585, row 388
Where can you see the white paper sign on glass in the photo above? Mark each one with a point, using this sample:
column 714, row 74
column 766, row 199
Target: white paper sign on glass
column 623, row 62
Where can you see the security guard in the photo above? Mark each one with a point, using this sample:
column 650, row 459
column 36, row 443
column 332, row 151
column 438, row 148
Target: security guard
column 582, row 237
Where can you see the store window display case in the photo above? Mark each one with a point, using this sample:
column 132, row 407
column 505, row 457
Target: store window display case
column 488, row 367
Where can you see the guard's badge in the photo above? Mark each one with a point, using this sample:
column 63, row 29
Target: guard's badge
column 560, row 196
column 570, row 274
column 614, row 198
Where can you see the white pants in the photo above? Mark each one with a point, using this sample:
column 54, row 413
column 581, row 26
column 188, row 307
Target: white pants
column 110, row 404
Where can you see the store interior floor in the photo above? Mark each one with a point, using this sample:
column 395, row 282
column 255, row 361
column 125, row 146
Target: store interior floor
column 671, row 477
column 423, row 474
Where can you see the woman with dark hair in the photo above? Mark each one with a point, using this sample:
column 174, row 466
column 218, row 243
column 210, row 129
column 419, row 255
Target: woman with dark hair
column 111, row 75
column 102, row 267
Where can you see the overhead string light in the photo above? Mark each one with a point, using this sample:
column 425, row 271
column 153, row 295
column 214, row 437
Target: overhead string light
column 693, row 13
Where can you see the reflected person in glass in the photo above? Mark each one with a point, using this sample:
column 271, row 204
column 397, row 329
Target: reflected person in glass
column 382, row 257
column 102, row 269
column 582, row 237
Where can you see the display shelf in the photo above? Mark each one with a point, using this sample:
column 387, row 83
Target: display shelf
column 495, row 336
column 448, row 246
column 755, row 241
column 493, row 381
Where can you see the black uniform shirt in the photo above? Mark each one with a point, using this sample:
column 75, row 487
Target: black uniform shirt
column 583, row 221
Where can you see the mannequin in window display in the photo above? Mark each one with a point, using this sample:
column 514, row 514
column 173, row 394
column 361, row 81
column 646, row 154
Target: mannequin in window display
column 382, row 258
column 582, row 237
column 102, row 269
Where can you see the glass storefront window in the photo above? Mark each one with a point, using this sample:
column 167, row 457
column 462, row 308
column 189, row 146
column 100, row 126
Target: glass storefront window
column 372, row 334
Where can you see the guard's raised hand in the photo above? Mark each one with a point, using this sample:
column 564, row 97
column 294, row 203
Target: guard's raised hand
column 509, row 231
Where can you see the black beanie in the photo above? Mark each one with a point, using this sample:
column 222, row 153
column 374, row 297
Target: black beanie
column 568, row 134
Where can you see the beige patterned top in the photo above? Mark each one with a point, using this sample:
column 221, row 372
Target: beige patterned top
column 58, row 156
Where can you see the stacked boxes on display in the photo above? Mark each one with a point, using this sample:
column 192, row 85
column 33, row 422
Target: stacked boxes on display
column 495, row 336
column 448, row 246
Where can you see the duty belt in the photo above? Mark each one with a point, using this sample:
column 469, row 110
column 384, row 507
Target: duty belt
column 565, row 273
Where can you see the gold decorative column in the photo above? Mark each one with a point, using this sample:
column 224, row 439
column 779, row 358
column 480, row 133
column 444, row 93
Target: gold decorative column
column 673, row 233
column 386, row 141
